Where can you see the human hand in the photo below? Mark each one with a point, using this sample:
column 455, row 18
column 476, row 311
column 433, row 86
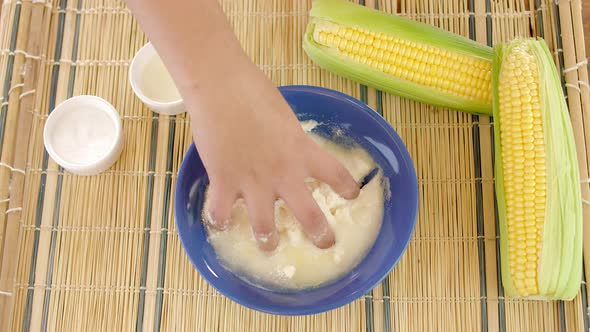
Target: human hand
column 248, row 138
column 254, row 148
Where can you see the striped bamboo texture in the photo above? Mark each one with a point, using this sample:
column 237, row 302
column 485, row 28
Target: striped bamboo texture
column 102, row 252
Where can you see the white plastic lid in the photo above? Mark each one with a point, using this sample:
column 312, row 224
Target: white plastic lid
column 84, row 135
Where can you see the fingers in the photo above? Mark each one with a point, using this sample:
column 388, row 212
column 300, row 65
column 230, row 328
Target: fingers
column 310, row 216
column 328, row 169
column 219, row 205
column 261, row 210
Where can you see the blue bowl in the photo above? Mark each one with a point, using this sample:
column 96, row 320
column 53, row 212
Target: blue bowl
column 373, row 133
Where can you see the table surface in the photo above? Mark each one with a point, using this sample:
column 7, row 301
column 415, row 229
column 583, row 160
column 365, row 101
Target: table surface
column 137, row 276
column 586, row 14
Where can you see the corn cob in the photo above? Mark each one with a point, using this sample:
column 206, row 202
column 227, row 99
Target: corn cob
column 537, row 181
column 400, row 56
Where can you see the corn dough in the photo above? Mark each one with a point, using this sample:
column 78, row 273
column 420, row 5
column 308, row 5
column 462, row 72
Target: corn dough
column 296, row 263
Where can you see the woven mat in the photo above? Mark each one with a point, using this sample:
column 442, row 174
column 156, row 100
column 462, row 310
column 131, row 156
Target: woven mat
column 102, row 252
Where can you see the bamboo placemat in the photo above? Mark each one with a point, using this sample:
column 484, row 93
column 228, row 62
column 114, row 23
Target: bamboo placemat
column 102, row 252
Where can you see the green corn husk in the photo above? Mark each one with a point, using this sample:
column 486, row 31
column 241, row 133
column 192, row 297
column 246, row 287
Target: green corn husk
column 341, row 13
column 559, row 264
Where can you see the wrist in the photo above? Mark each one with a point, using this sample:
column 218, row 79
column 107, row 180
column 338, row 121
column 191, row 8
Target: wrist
column 239, row 82
column 213, row 72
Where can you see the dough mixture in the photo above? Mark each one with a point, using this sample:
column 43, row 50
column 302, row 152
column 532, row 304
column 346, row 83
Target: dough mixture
column 296, row 263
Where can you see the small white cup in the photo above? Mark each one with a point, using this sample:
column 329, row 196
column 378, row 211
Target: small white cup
column 136, row 71
column 64, row 142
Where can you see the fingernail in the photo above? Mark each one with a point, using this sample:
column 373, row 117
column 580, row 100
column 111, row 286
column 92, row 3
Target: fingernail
column 267, row 241
column 324, row 238
column 222, row 226
column 264, row 237
column 350, row 194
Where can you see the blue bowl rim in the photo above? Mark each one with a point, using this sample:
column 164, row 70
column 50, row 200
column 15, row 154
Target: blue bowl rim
column 344, row 300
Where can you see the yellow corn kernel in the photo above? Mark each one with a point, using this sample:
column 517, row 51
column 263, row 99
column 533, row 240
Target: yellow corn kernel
column 522, row 143
column 441, row 69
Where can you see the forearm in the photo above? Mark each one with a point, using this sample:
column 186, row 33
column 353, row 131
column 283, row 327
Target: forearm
column 197, row 45
column 249, row 140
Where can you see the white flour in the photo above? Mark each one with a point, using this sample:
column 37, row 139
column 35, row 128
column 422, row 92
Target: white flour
column 84, row 136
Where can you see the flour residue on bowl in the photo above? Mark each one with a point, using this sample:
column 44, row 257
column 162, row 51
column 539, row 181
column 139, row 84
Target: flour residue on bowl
column 296, row 263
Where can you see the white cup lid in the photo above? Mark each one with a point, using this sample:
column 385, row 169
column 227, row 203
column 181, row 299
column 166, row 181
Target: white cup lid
column 84, row 135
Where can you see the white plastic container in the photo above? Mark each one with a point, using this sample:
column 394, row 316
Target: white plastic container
column 84, row 135
column 152, row 83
